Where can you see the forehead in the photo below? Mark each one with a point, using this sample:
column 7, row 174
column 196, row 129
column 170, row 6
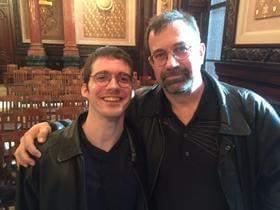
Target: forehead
column 173, row 34
column 110, row 64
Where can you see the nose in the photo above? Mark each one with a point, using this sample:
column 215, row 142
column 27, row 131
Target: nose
column 113, row 83
column 171, row 61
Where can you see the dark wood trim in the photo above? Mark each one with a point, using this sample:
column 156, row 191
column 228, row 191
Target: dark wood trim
column 263, row 79
column 219, row 5
column 245, row 53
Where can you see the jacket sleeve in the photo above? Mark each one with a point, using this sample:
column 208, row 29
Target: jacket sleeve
column 27, row 195
column 57, row 125
column 267, row 131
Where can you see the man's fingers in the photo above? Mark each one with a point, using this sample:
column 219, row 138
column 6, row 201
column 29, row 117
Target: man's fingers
column 22, row 158
column 43, row 134
column 29, row 146
column 26, row 151
column 25, row 160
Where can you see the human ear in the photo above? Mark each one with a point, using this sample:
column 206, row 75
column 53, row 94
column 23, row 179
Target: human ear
column 202, row 49
column 84, row 90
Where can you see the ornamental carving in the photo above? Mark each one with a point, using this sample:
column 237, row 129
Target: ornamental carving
column 51, row 21
column 252, row 53
column 104, row 4
column 104, row 19
column 4, row 57
column 48, row 19
column 164, row 5
column 267, row 9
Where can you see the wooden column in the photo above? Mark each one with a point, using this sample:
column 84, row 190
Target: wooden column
column 70, row 51
column 36, row 55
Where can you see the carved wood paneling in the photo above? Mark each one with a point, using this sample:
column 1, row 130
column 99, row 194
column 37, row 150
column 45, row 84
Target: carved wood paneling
column 51, row 22
column 55, row 51
column 6, row 45
column 256, row 67
column 251, row 53
column 6, row 37
column 263, row 79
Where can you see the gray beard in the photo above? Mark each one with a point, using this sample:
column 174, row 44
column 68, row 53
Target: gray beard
column 184, row 78
column 186, row 88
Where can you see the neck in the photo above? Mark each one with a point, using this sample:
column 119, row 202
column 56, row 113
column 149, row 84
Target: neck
column 184, row 105
column 103, row 132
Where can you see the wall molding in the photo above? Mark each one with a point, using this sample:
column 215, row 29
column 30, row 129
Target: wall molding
column 267, row 54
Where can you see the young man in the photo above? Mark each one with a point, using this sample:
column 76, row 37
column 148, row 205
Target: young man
column 209, row 145
column 94, row 163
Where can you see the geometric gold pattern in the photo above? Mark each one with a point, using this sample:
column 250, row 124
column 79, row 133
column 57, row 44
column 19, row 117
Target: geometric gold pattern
column 267, row 9
column 107, row 20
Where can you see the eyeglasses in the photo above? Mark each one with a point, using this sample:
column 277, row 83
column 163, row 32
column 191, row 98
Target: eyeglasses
column 103, row 78
column 159, row 58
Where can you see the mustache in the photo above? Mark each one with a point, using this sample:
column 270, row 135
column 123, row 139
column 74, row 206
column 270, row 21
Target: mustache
column 174, row 72
column 173, row 81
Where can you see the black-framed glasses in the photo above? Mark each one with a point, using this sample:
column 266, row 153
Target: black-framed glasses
column 103, row 78
column 160, row 57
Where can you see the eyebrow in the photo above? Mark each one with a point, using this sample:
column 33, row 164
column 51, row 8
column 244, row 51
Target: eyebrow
column 175, row 45
column 180, row 44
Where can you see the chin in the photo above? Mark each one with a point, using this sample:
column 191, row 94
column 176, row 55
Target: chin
column 113, row 116
column 177, row 91
column 113, row 113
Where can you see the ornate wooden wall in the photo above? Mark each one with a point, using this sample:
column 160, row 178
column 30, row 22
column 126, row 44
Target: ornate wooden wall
column 145, row 10
column 264, row 54
column 54, row 52
column 6, row 34
column 253, row 66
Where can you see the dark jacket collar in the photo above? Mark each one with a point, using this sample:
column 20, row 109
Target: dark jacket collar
column 70, row 144
column 70, row 141
column 232, row 119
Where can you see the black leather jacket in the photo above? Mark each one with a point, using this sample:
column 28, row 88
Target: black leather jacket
column 249, row 144
column 249, row 137
column 57, row 181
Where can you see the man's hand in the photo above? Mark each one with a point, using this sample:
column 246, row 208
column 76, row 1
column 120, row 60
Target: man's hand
column 27, row 147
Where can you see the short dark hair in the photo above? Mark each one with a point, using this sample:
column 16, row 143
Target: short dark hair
column 107, row 51
column 157, row 23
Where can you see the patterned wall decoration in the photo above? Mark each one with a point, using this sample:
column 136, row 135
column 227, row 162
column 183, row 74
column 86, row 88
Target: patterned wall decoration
column 254, row 53
column 51, row 18
column 267, row 9
column 250, row 30
column 5, row 56
column 164, row 5
column 105, row 22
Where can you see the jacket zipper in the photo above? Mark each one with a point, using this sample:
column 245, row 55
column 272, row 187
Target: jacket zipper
column 141, row 188
column 161, row 157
